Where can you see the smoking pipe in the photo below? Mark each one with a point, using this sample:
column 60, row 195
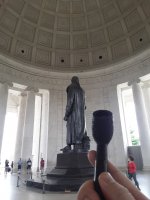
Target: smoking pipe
column 102, row 129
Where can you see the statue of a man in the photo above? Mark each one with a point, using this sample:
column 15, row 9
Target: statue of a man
column 75, row 115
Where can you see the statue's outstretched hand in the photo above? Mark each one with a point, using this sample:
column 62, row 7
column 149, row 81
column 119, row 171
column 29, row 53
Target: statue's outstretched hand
column 114, row 186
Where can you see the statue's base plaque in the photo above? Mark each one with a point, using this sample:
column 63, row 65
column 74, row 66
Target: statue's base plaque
column 72, row 169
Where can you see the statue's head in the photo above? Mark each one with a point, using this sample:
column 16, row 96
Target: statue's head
column 75, row 80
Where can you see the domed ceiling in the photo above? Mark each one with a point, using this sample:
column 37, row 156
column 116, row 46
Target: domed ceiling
column 73, row 35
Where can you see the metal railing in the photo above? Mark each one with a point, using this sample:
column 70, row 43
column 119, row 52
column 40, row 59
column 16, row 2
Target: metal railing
column 43, row 183
column 21, row 179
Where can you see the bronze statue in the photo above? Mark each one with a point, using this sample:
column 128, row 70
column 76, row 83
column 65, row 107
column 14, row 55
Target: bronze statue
column 75, row 114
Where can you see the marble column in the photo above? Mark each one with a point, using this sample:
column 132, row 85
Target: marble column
column 3, row 106
column 55, row 131
column 146, row 93
column 28, row 124
column 44, row 127
column 144, row 131
column 20, row 129
column 36, row 133
column 52, row 130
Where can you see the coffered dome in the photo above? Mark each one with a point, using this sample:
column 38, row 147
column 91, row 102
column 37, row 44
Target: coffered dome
column 73, row 35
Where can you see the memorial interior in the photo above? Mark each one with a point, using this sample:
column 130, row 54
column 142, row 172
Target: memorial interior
column 43, row 44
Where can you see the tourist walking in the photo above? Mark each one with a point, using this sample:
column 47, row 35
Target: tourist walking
column 6, row 166
column 12, row 166
column 42, row 162
column 19, row 165
column 132, row 171
column 29, row 165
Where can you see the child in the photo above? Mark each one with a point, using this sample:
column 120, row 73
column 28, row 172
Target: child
column 132, row 171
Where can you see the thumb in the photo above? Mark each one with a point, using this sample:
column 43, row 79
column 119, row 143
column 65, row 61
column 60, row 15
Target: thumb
column 113, row 190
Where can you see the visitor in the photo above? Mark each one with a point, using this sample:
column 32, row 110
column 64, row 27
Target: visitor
column 29, row 164
column 6, row 166
column 114, row 185
column 42, row 162
column 12, row 166
column 19, row 165
column 132, row 171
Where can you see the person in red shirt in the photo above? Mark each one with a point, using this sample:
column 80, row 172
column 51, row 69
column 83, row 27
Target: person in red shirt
column 132, row 171
column 42, row 165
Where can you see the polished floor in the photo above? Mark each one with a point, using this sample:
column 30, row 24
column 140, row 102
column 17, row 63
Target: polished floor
column 9, row 191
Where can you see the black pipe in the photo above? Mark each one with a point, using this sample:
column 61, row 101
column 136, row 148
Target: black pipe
column 102, row 128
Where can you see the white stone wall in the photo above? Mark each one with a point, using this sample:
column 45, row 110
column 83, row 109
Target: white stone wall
column 101, row 93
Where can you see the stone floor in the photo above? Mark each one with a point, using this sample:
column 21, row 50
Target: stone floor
column 144, row 182
column 9, row 191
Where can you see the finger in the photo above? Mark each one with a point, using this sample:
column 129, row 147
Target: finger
column 123, row 180
column 113, row 190
column 119, row 177
column 87, row 192
column 92, row 157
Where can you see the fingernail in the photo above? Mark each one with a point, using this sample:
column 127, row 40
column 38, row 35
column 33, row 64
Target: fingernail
column 106, row 178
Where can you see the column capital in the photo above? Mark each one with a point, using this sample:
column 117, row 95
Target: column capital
column 32, row 89
column 136, row 80
column 23, row 94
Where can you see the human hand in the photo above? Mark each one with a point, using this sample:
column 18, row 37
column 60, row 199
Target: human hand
column 115, row 186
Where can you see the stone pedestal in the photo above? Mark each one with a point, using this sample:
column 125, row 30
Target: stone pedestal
column 72, row 169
